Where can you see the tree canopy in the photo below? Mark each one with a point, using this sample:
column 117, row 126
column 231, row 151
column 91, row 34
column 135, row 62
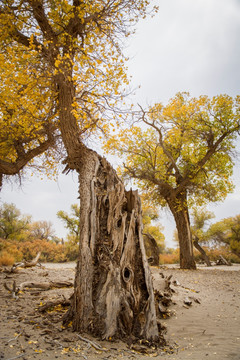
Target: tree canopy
column 226, row 231
column 200, row 222
column 188, row 144
column 27, row 108
column 12, row 223
column 63, row 69
column 71, row 222
column 185, row 154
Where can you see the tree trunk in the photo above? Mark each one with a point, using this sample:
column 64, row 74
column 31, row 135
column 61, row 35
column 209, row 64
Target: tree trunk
column 113, row 296
column 181, row 216
column 202, row 252
column 235, row 252
column 113, row 291
column 154, row 252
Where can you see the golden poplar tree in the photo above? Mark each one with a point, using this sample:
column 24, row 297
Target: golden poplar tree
column 71, row 51
column 183, row 157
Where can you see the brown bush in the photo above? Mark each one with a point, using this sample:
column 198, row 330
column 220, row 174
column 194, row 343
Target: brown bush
column 50, row 251
column 214, row 254
column 27, row 250
column 6, row 259
column 171, row 258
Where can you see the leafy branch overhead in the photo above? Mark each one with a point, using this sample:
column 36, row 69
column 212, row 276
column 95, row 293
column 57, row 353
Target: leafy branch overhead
column 63, row 69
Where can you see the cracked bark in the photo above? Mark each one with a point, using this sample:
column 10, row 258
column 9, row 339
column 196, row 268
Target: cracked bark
column 113, row 296
column 181, row 216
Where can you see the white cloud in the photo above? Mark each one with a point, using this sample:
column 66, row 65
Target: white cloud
column 188, row 46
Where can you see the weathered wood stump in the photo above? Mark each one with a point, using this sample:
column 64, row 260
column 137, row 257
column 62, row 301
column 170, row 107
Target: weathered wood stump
column 113, row 295
column 152, row 246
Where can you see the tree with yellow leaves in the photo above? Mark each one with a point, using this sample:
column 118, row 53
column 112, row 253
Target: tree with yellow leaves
column 184, row 157
column 71, row 54
column 28, row 112
column 226, row 231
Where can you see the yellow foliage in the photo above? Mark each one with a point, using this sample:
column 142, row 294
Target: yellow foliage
column 189, row 141
column 75, row 47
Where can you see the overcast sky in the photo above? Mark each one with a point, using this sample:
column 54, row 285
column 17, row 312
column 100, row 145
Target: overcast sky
column 190, row 45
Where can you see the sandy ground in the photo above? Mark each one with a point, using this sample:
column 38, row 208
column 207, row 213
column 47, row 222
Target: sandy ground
column 207, row 329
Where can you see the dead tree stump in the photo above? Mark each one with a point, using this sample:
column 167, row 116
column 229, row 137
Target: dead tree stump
column 152, row 246
column 113, row 295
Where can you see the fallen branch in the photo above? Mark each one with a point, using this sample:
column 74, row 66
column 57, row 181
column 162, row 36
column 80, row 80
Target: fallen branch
column 45, row 286
column 16, row 357
column 223, row 261
column 92, row 343
column 84, row 356
column 26, row 264
column 50, row 304
column 14, row 290
column 60, row 346
column 15, row 338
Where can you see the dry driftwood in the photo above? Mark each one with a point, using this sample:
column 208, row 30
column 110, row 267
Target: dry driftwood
column 92, row 343
column 26, row 264
column 45, row 285
column 14, row 289
column 223, row 261
column 62, row 301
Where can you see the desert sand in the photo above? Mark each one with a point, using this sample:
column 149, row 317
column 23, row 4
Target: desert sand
column 206, row 328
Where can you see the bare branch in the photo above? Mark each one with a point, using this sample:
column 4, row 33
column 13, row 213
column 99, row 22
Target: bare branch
column 161, row 142
column 40, row 16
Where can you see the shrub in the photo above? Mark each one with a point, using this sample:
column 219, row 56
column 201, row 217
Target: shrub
column 214, row 254
column 11, row 247
column 27, row 250
column 169, row 258
column 6, row 259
